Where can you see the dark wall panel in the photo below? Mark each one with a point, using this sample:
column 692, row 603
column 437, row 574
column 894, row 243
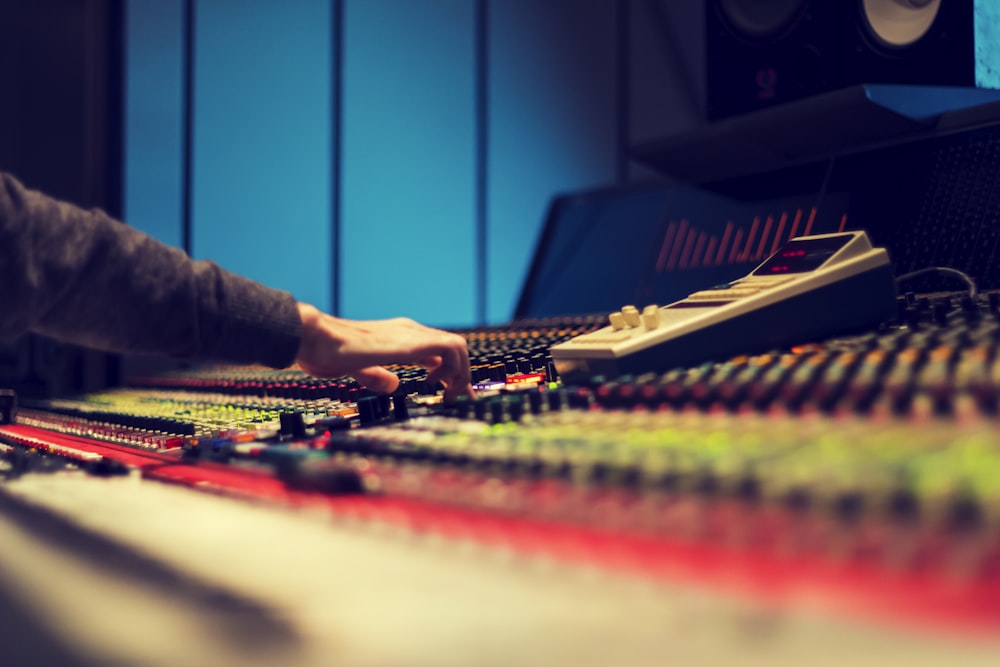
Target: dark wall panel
column 552, row 123
column 58, row 116
column 59, row 133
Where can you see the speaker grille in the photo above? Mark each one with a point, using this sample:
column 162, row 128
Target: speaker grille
column 899, row 23
column 958, row 223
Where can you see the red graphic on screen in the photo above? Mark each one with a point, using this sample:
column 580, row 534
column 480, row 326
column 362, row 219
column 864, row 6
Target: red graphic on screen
column 685, row 247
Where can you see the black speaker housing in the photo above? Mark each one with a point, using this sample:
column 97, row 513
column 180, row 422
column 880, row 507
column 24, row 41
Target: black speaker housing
column 746, row 72
column 944, row 56
column 829, row 44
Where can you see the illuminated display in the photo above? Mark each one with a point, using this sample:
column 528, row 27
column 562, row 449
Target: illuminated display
column 802, row 255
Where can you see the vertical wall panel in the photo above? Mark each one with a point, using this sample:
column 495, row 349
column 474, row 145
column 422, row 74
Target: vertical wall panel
column 408, row 216
column 552, row 123
column 153, row 116
column 261, row 179
column 408, row 236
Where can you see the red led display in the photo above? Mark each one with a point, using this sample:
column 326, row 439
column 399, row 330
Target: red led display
column 802, row 255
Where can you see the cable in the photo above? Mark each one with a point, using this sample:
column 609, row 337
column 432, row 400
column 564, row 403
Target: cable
column 945, row 270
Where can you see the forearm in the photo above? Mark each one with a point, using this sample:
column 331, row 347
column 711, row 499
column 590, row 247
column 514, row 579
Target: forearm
column 81, row 276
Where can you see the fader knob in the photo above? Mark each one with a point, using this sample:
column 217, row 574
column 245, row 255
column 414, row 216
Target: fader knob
column 292, row 425
column 651, row 317
column 535, row 402
column 940, row 309
column 617, row 320
column 970, row 309
column 516, row 408
column 8, row 406
column 383, row 405
column 496, row 411
column 367, row 410
column 631, row 315
column 400, row 411
column 993, row 299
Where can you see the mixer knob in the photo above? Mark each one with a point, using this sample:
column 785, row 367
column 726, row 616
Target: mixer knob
column 617, row 320
column 400, row 411
column 516, row 408
column 970, row 309
column 993, row 299
column 940, row 309
column 651, row 317
column 535, row 402
column 631, row 315
column 383, row 405
column 496, row 411
column 367, row 410
column 554, row 400
column 292, row 425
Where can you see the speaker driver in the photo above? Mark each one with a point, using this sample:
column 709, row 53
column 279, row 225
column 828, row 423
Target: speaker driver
column 761, row 19
column 900, row 23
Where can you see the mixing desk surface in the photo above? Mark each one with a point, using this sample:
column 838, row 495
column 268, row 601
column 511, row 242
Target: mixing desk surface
column 771, row 457
column 856, row 476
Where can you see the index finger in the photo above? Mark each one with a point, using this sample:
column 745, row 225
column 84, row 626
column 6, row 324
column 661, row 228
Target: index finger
column 454, row 370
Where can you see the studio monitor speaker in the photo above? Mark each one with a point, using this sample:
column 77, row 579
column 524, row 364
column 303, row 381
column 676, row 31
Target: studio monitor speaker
column 765, row 52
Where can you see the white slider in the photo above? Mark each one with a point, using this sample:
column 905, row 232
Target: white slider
column 651, row 316
column 631, row 314
column 617, row 320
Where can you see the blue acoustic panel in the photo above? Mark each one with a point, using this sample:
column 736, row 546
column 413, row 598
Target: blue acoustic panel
column 154, row 161
column 987, row 39
column 408, row 175
column 261, row 203
column 552, row 124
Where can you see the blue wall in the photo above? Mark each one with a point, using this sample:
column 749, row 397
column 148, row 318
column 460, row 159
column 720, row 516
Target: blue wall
column 408, row 161
column 261, row 149
column 154, row 111
column 376, row 157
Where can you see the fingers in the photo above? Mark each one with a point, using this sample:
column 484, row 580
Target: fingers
column 445, row 357
column 429, row 363
column 377, row 378
column 334, row 346
column 453, row 370
column 453, row 392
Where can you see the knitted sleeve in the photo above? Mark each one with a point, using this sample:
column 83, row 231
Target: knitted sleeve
column 83, row 277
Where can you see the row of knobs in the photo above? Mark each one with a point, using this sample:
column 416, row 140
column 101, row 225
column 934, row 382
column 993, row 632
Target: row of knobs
column 630, row 317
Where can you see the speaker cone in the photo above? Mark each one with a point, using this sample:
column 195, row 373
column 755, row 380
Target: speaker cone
column 900, row 23
column 757, row 19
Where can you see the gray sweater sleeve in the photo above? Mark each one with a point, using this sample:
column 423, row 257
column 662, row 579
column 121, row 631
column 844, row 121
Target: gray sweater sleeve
column 82, row 277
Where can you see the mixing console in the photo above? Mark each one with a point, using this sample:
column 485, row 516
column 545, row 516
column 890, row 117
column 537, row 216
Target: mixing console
column 866, row 467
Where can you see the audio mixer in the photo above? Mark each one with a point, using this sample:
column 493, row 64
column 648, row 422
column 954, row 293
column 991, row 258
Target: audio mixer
column 788, row 463
column 868, row 460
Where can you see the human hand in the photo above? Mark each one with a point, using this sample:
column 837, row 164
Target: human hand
column 332, row 346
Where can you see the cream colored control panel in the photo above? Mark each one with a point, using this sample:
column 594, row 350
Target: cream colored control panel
column 791, row 290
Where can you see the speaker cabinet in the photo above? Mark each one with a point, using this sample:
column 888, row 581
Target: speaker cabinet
column 912, row 41
column 765, row 52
